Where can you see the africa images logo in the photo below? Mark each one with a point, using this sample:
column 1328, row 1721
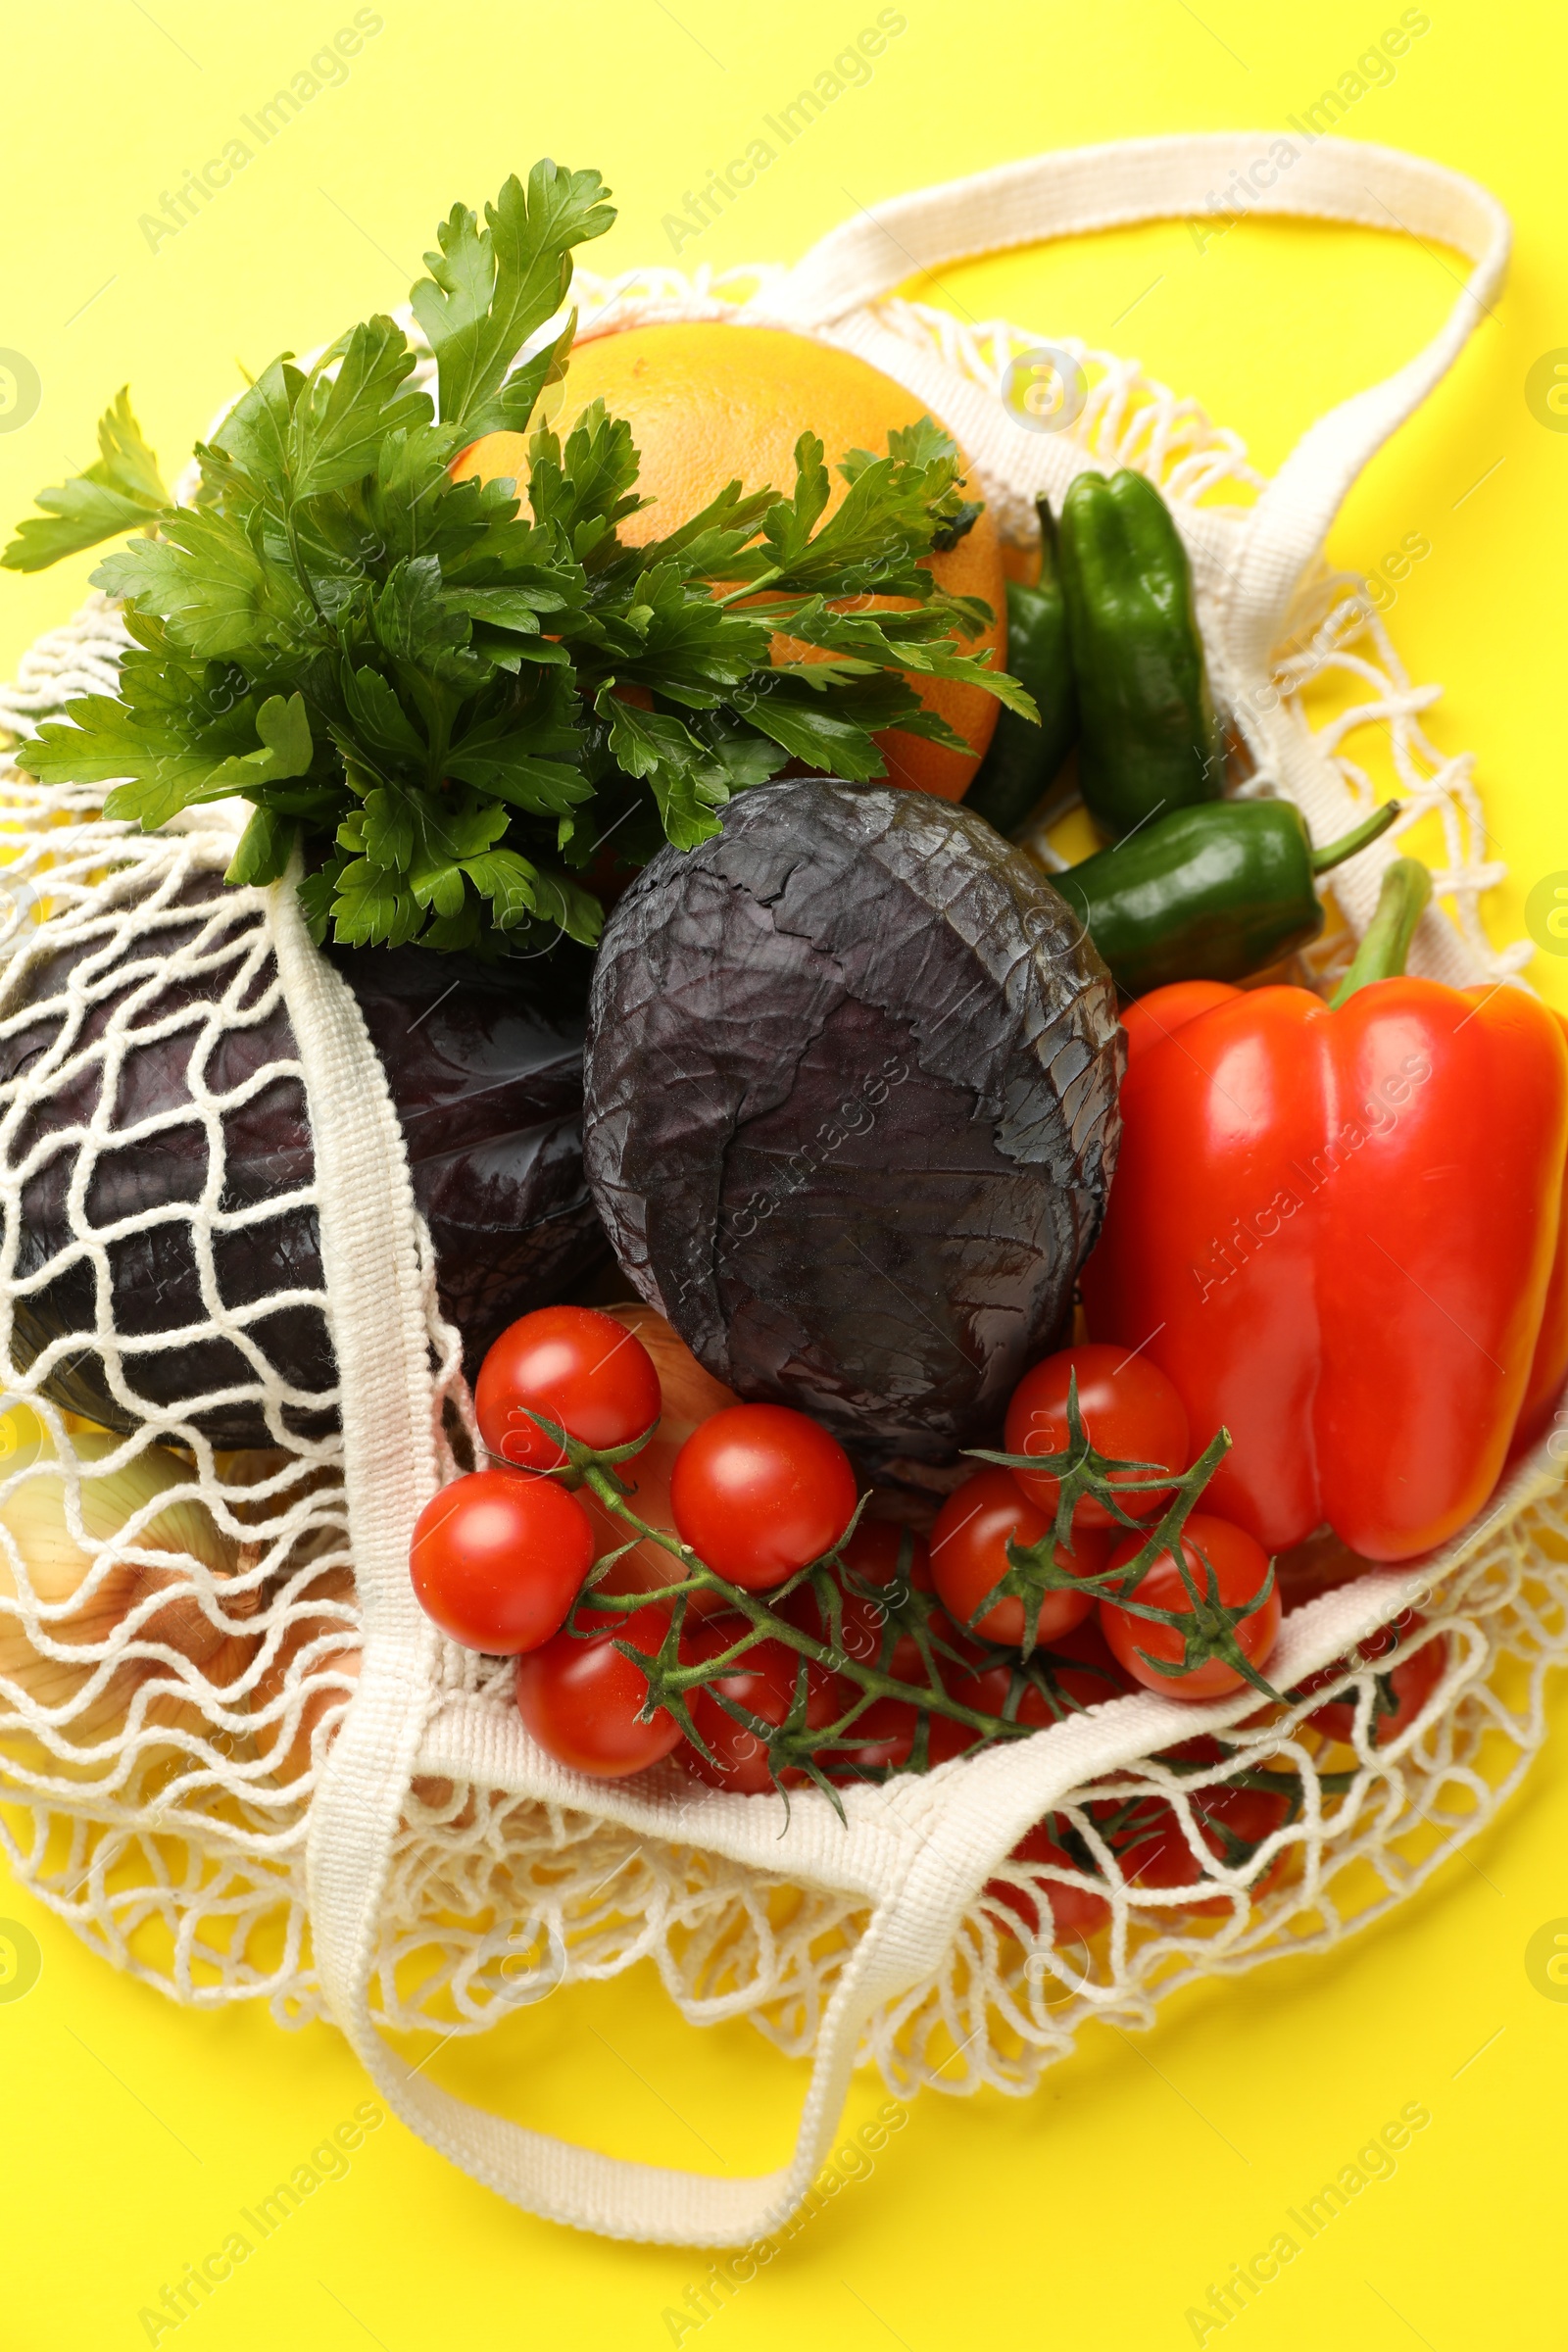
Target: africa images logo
column 851, row 70
column 20, row 1960
column 327, row 69
column 1546, row 1959
column 1546, row 914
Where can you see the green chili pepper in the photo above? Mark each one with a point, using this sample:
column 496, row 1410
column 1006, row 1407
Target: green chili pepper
column 1148, row 740
column 1021, row 765
column 1208, row 894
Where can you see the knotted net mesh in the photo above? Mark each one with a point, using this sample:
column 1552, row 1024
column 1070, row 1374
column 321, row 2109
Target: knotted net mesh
column 179, row 1628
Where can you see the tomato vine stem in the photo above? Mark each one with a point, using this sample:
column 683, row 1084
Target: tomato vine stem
column 797, row 1747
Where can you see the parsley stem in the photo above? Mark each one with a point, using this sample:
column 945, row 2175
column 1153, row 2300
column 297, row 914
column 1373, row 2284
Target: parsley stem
column 747, row 588
column 291, row 527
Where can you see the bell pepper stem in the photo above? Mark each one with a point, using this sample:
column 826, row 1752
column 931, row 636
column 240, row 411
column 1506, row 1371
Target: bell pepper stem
column 1335, row 853
column 1047, row 542
column 1406, row 888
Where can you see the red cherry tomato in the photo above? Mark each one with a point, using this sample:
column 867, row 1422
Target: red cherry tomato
column 582, row 1700
column 987, row 1692
column 970, row 1555
column 579, row 1368
column 876, row 1548
column 498, row 1559
column 883, row 1740
column 1074, row 1912
column 905, row 1664
column 885, row 1734
column 1230, row 1821
column 758, row 1491
column 1130, row 1411
column 862, row 1623
column 1080, row 1664
column 1239, row 1566
column 1404, row 1689
column 1085, row 1667
column 762, row 1681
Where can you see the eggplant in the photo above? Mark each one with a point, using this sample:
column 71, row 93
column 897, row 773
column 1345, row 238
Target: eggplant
column 850, row 1108
column 485, row 1069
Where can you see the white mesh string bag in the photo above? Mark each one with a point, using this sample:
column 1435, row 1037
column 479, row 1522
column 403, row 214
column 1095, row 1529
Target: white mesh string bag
column 234, row 1753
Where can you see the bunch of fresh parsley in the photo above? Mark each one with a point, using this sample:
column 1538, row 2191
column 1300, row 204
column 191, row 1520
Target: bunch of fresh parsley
column 451, row 706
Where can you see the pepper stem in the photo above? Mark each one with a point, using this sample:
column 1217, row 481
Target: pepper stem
column 1335, row 853
column 1048, row 544
column 1406, row 888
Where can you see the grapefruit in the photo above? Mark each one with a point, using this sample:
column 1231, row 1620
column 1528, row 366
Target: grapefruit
column 710, row 402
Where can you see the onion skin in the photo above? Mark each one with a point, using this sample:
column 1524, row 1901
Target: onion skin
column 690, row 1392
column 288, row 1741
column 297, row 1738
column 82, row 1605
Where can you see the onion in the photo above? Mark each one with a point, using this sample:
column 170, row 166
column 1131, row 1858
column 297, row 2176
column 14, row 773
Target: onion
column 304, row 1725
column 72, row 1606
column 690, row 1392
column 330, row 1628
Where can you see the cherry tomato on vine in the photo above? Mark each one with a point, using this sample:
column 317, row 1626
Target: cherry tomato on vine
column 862, row 1622
column 877, row 1547
column 862, row 1626
column 907, row 1666
column 1231, row 1821
column 987, row 1692
column 1085, row 1667
column 1239, row 1567
column 647, row 1566
column 1131, row 1412
column 581, row 1369
column 582, row 1699
column 1073, row 1912
column 874, row 1552
column 499, row 1557
column 759, row 1491
column 1079, row 1663
column 881, row 1739
column 970, row 1555
column 762, row 1681
column 883, row 1736
column 1409, row 1685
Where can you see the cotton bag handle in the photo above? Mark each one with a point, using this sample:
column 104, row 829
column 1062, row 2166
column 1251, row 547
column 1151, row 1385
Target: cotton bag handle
column 915, row 1857
column 379, row 1292
column 1081, row 189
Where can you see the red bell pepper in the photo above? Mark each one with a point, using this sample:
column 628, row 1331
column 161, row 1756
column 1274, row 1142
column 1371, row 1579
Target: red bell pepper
column 1549, row 1370
column 1334, row 1227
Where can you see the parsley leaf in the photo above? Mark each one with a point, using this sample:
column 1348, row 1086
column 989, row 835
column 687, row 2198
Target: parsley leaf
column 214, row 584
column 341, row 419
column 444, row 700
column 489, row 291
column 121, row 492
column 265, row 848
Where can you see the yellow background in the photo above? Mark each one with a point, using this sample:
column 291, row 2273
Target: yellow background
column 1100, row 2210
